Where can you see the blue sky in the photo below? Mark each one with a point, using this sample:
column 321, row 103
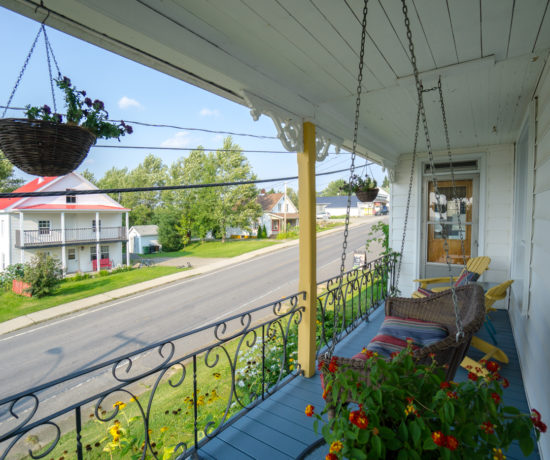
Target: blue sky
column 132, row 91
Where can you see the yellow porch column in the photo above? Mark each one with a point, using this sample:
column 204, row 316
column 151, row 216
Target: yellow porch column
column 308, row 250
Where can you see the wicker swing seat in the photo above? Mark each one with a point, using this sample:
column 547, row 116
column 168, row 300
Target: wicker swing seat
column 437, row 308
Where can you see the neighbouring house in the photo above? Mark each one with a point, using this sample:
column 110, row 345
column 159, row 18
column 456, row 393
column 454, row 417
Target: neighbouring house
column 277, row 209
column 144, row 239
column 336, row 205
column 73, row 228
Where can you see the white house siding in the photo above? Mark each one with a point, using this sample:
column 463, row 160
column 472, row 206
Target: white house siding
column 4, row 241
column 495, row 221
column 531, row 322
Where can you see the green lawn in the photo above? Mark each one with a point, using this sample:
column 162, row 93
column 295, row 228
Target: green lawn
column 230, row 248
column 13, row 305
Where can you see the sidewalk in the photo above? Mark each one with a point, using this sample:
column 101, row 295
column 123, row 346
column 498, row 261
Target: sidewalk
column 77, row 305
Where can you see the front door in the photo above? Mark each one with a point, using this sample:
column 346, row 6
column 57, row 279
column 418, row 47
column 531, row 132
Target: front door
column 441, row 220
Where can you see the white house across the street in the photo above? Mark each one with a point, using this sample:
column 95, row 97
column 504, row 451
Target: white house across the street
column 336, row 205
column 77, row 229
column 144, row 239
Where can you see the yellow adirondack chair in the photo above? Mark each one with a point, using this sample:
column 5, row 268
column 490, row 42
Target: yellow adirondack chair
column 491, row 351
column 475, row 265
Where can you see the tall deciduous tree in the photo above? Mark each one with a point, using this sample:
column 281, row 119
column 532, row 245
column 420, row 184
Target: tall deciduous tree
column 237, row 206
column 386, row 183
column 334, row 188
column 8, row 182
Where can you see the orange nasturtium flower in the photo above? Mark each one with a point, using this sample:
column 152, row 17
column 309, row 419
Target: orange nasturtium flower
column 310, row 410
column 451, row 442
column 438, row 438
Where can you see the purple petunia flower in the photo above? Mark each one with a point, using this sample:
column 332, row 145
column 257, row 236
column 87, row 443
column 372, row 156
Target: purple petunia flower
column 129, row 129
column 88, row 102
column 58, row 117
column 47, row 109
column 83, row 92
column 98, row 105
column 67, row 81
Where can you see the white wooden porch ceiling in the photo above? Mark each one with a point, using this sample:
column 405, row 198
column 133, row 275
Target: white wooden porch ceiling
column 301, row 56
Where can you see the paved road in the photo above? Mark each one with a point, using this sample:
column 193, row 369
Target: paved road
column 53, row 349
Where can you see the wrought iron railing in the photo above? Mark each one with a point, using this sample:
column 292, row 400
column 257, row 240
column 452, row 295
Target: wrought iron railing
column 341, row 306
column 161, row 401
column 52, row 237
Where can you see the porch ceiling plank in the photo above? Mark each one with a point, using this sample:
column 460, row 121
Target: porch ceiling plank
column 496, row 17
column 525, row 27
column 543, row 37
column 437, row 27
column 341, row 37
column 424, row 58
column 466, row 28
column 272, row 51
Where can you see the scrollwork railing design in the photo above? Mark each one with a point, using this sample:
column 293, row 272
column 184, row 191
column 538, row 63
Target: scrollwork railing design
column 342, row 305
column 161, row 401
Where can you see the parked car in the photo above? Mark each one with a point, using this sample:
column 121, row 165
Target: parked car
column 383, row 211
column 323, row 215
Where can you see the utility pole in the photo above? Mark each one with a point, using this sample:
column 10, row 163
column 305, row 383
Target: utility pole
column 284, row 211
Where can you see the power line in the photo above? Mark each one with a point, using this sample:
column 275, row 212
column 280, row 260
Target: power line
column 153, row 188
column 161, row 125
column 186, row 149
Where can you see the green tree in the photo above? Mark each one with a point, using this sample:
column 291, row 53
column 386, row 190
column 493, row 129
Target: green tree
column 333, row 188
column 169, row 235
column 89, row 175
column 43, row 273
column 386, row 183
column 237, row 206
column 8, row 182
column 293, row 196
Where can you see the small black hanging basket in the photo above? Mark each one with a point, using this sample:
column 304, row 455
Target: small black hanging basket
column 44, row 148
column 367, row 194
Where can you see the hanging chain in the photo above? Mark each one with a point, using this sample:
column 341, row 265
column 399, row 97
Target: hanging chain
column 458, row 201
column 419, row 90
column 49, row 67
column 22, row 72
column 408, row 197
column 49, row 46
column 340, row 296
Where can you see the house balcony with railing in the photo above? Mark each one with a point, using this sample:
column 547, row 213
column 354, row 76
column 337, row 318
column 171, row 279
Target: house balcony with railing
column 232, row 389
column 31, row 239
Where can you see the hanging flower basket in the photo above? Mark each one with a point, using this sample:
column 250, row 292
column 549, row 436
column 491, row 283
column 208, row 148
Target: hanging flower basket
column 44, row 148
column 367, row 194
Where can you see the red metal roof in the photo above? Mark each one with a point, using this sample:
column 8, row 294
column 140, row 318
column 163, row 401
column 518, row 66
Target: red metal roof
column 31, row 186
column 77, row 207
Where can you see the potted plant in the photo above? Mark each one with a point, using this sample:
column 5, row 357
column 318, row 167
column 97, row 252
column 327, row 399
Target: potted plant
column 409, row 410
column 51, row 144
column 365, row 189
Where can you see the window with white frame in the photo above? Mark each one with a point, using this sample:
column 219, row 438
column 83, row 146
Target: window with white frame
column 94, row 225
column 70, row 198
column 71, row 254
column 44, row 227
column 104, row 252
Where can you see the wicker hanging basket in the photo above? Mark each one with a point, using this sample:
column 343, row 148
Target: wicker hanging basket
column 367, row 194
column 44, row 148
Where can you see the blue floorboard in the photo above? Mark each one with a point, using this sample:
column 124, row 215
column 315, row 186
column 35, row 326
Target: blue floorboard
column 279, row 429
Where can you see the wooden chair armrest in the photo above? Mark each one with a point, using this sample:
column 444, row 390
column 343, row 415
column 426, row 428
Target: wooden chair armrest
column 424, row 282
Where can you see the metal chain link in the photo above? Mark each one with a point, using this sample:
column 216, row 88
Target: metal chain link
column 352, row 170
column 419, row 90
column 455, row 194
column 49, row 45
column 49, row 67
column 408, row 197
column 22, row 71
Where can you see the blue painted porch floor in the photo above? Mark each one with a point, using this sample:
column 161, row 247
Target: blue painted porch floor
column 279, row 429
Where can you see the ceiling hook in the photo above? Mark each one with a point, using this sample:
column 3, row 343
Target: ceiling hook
column 43, row 7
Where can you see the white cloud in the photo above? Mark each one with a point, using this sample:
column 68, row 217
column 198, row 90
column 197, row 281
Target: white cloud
column 127, row 102
column 209, row 112
column 179, row 140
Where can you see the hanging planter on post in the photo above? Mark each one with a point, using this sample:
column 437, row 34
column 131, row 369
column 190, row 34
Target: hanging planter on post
column 365, row 189
column 44, row 148
column 51, row 144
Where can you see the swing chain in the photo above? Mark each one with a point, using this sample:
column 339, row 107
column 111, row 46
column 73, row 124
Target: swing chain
column 408, row 198
column 419, row 90
column 22, row 72
column 455, row 194
column 339, row 296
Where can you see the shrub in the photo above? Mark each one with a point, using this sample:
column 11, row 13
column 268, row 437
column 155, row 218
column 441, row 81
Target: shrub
column 121, row 269
column 81, row 276
column 12, row 272
column 103, row 273
column 43, row 273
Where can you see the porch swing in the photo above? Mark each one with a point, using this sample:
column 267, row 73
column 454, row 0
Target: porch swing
column 456, row 313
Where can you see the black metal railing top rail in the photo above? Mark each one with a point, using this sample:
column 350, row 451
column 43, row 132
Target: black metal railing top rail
column 160, row 401
column 341, row 306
